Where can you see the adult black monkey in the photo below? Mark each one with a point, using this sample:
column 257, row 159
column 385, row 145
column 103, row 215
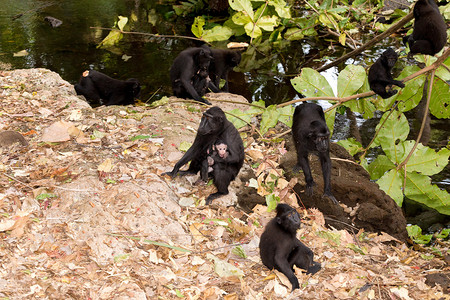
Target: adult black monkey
column 224, row 61
column 99, row 87
column 189, row 74
column 380, row 74
column 280, row 249
column 430, row 31
column 311, row 134
column 214, row 126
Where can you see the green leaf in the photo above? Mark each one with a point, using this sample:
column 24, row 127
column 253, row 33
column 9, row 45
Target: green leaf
column 286, row 113
column 122, row 22
column 411, row 94
column 245, row 118
column 294, row 34
column 269, row 118
column 440, row 99
column 240, row 18
column 350, row 80
column 380, row 166
column 391, row 184
column 111, row 39
column 179, row 293
column 267, row 22
column 330, row 116
column 415, row 233
column 281, row 8
column 197, row 26
column 355, row 249
column 311, row 84
column 252, row 30
column 121, row 257
column 426, row 161
column 139, row 137
column 395, row 130
column 272, row 202
column 239, row 251
column 184, row 146
column 443, row 234
column 419, row 188
column 217, row 33
column 334, row 237
column 351, row 145
column 45, row 196
column 243, row 6
column 442, row 72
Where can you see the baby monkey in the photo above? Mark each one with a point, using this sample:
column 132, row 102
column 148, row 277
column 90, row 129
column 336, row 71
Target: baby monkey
column 218, row 149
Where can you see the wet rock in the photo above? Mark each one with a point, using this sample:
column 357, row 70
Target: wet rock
column 54, row 22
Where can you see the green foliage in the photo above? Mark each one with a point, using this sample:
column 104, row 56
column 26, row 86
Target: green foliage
column 272, row 202
column 415, row 233
column 239, row 251
column 114, row 37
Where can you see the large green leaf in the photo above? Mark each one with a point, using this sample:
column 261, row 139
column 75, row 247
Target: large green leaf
column 419, row 188
column 440, row 99
column 395, row 130
column 293, row 34
column 410, row 95
column 197, row 26
column 286, row 113
column 217, row 33
column 242, row 117
column 362, row 106
column 350, row 80
column 267, row 22
column 281, row 8
column 330, row 116
column 426, row 161
column 380, row 166
column 269, row 118
column 391, row 184
column 443, row 72
column 351, row 145
column 242, row 5
column 312, row 84
column 240, row 18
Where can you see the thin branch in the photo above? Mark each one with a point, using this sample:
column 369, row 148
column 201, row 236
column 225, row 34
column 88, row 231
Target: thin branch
column 151, row 34
column 372, row 42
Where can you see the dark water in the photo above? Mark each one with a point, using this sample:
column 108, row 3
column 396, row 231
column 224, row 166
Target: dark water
column 72, row 48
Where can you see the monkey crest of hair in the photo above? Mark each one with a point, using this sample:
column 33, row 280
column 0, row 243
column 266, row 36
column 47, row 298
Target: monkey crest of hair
column 280, row 249
column 96, row 86
column 380, row 77
column 430, row 30
column 311, row 135
column 213, row 127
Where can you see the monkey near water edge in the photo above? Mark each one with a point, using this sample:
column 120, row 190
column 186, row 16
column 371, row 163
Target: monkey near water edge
column 101, row 88
column 280, row 249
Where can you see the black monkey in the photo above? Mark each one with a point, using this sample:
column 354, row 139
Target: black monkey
column 224, row 61
column 214, row 126
column 99, row 87
column 311, row 134
column 380, row 76
column 430, row 31
column 280, row 249
column 189, row 74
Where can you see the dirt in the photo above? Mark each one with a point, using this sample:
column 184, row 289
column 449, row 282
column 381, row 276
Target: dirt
column 362, row 203
column 86, row 214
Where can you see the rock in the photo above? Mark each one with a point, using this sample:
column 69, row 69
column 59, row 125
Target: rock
column 371, row 208
column 9, row 137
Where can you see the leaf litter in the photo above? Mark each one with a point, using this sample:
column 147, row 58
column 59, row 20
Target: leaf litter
column 86, row 214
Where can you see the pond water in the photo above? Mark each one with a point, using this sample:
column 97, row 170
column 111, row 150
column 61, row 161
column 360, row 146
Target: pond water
column 72, row 48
